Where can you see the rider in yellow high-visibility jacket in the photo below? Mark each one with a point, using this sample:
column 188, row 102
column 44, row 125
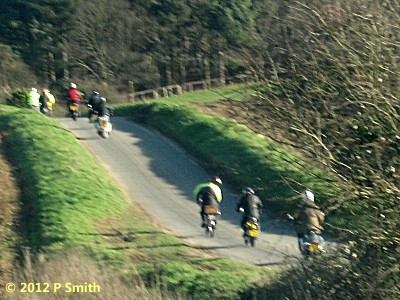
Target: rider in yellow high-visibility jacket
column 208, row 194
column 47, row 100
column 32, row 99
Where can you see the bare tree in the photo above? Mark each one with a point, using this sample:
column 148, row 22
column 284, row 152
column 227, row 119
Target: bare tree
column 332, row 89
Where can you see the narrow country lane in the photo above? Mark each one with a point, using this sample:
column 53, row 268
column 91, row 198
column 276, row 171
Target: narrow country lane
column 160, row 176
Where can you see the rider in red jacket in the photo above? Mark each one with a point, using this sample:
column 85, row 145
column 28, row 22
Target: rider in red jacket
column 74, row 95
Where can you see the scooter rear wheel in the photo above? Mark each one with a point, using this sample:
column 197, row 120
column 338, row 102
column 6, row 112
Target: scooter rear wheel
column 210, row 231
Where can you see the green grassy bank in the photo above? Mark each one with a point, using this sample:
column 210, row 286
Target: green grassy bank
column 70, row 203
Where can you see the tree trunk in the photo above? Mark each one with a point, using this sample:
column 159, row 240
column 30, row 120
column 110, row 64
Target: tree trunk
column 50, row 68
column 183, row 71
column 65, row 64
column 207, row 72
column 131, row 91
column 168, row 72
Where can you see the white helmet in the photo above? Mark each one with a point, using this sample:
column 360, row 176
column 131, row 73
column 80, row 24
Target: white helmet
column 247, row 190
column 72, row 85
column 33, row 89
column 307, row 195
column 216, row 180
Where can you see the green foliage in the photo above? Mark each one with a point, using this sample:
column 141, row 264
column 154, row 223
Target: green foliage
column 207, row 278
column 171, row 13
column 201, row 281
column 37, row 28
column 139, row 41
column 234, row 20
column 18, row 98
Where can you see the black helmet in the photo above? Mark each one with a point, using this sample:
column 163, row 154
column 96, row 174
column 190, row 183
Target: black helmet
column 247, row 190
column 95, row 92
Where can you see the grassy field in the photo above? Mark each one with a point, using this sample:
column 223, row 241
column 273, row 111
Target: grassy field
column 233, row 92
column 70, row 203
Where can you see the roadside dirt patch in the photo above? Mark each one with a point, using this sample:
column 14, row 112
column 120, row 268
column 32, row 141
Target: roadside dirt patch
column 9, row 205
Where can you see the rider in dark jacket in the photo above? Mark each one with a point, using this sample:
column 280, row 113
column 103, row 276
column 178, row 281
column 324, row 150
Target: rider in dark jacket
column 94, row 101
column 103, row 108
column 250, row 204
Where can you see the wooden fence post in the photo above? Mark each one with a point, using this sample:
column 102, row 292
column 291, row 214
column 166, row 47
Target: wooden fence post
column 179, row 90
column 165, row 92
column 189, row 87
column 155, row 94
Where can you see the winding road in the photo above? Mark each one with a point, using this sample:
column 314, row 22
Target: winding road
column 160, row 176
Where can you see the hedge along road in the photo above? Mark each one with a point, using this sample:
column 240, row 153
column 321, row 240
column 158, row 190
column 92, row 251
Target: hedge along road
column 160, row 177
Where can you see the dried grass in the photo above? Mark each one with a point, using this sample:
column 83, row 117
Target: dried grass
column 74, row 268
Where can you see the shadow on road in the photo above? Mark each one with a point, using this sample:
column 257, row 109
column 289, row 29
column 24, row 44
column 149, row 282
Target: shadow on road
column 173, row 165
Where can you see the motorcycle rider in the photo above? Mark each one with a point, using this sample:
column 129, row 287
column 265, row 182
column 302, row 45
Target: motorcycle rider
column 74, row 95
column 32, row 99
column 209, row 193
column 103, row 109
column 94, row 101
column 47, row 100
column 308, row 218
column 250, row 204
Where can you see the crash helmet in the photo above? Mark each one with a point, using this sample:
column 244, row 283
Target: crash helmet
column 308, row 195
column 247, row 190
column 44, row 90
column 216, row 180
column 72, row 85
column 95, row 92
column 33, row 89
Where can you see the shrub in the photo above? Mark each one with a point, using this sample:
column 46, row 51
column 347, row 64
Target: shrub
column 18, row 98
